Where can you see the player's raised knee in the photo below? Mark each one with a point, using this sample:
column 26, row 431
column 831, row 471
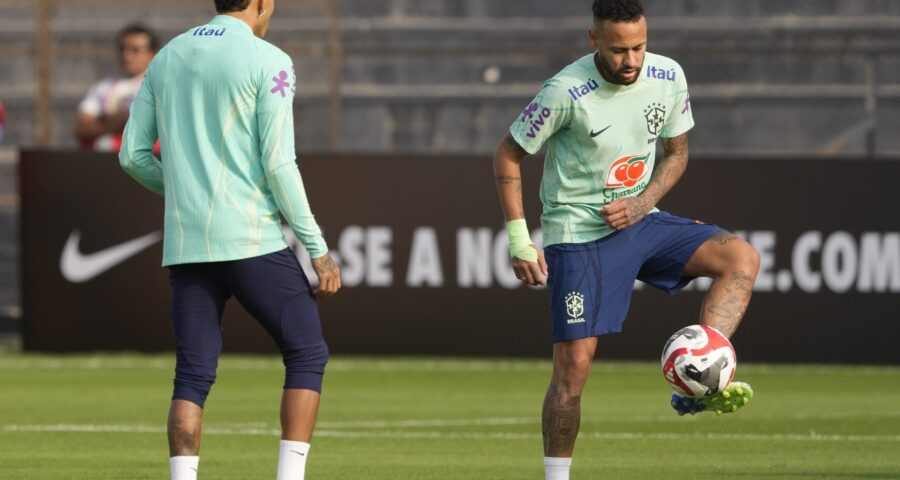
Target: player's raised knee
column 744, row 258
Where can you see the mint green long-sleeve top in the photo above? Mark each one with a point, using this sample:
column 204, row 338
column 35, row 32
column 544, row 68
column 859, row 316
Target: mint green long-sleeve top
column 220, row 101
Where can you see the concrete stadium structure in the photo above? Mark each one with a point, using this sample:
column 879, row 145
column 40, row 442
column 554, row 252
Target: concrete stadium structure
column 768, row 78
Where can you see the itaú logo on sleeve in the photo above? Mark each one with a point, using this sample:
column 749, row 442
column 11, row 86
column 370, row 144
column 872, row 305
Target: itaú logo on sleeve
column 627, row 171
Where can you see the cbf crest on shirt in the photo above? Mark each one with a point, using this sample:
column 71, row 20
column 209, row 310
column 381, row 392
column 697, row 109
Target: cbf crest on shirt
column 601, row 138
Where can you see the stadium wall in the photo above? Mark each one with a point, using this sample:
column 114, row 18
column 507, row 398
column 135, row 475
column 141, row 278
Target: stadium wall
column 792, row 77
column 425, row 263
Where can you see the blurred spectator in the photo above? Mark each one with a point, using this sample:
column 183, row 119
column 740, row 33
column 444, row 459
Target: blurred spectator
column 104, row 111
column 2, row 122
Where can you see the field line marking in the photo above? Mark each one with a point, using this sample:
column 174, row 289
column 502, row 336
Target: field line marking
column 799, row 437
column 414, row 364
column 670, row 418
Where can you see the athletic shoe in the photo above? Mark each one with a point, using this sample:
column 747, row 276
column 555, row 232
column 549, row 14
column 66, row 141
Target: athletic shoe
column 735, row 396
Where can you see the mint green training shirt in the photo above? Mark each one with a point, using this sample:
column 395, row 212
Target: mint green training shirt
column 220, row 100
column 602, row 140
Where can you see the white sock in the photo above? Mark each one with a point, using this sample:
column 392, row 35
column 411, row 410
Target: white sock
column 292, row 460
column 184, row 468
column 557, row 468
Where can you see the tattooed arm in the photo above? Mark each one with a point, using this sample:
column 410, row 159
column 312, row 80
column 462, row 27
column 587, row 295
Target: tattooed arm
column 669, row 170
column 508, row 175
column 624, row 212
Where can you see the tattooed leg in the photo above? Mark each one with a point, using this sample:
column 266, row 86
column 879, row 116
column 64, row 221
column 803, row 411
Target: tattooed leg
column 733, row 265
column 184, row 423
column 562, row 405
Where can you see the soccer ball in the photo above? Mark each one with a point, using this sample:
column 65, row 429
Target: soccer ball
column 698, row 361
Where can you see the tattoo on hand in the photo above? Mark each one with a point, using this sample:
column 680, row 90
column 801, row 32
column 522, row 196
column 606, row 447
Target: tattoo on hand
column 325, row 264
column 642, row 206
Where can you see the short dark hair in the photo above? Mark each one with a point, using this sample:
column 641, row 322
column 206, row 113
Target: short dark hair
column 618, row 10
column 225, row 6
column 138, row 29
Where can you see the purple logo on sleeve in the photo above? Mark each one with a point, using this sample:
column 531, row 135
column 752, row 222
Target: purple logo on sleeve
column 528, row 113
column 280, row 83
column 687, row 105
column 542, row 113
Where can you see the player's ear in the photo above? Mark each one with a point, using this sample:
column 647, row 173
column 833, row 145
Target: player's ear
column 262, row 8
column 592, row 35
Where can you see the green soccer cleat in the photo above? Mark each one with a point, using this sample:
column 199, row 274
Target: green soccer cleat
column 735, row 396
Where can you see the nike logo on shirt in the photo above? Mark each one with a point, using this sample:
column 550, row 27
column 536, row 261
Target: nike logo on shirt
column 77, row 267
column 594, row 134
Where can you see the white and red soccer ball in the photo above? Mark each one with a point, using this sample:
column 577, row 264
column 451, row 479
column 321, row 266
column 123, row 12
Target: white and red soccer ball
column 698, row 361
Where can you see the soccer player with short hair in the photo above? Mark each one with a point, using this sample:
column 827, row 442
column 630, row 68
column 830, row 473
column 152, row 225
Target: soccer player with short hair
column 220, row 99
column 601, row 117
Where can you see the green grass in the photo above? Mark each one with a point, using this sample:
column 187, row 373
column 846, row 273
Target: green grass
column 103, row 417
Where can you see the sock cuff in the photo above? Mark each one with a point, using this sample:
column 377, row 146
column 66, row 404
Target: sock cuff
column 301, row 447
column 558, row 461
column 186, row 459
column 184, row 467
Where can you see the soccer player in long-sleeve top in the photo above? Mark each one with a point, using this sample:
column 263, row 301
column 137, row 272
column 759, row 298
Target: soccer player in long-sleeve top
column 220, row 100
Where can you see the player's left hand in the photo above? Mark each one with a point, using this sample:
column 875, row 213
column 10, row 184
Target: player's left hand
column 329, row 276
column 625, row 212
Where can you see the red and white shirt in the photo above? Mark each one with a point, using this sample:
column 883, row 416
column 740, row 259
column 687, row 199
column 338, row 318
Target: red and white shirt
column 111, row 96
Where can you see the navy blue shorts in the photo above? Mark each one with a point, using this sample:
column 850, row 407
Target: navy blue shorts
column 274, row 289
column 591, row 283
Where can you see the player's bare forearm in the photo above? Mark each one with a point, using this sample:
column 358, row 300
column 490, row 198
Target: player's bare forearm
column 508, row 176
column 625, row 212
column 669, row 171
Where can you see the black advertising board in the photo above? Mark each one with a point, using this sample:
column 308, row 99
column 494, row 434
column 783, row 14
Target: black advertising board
column 423, row 252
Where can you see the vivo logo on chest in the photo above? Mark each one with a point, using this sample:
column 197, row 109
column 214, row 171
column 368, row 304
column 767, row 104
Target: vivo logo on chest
column 209, row 32
column 661, row 74
column 579, row 91
column 538, row 115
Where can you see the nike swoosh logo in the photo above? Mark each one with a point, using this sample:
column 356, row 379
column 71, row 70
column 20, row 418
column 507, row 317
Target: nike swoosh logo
column 77, row 267
column 594, row 134
column 299, row 453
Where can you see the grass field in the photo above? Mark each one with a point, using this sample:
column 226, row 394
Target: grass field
column 102, row 417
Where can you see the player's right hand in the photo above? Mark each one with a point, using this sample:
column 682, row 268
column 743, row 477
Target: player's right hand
column 329, row 276
column 532, row 273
